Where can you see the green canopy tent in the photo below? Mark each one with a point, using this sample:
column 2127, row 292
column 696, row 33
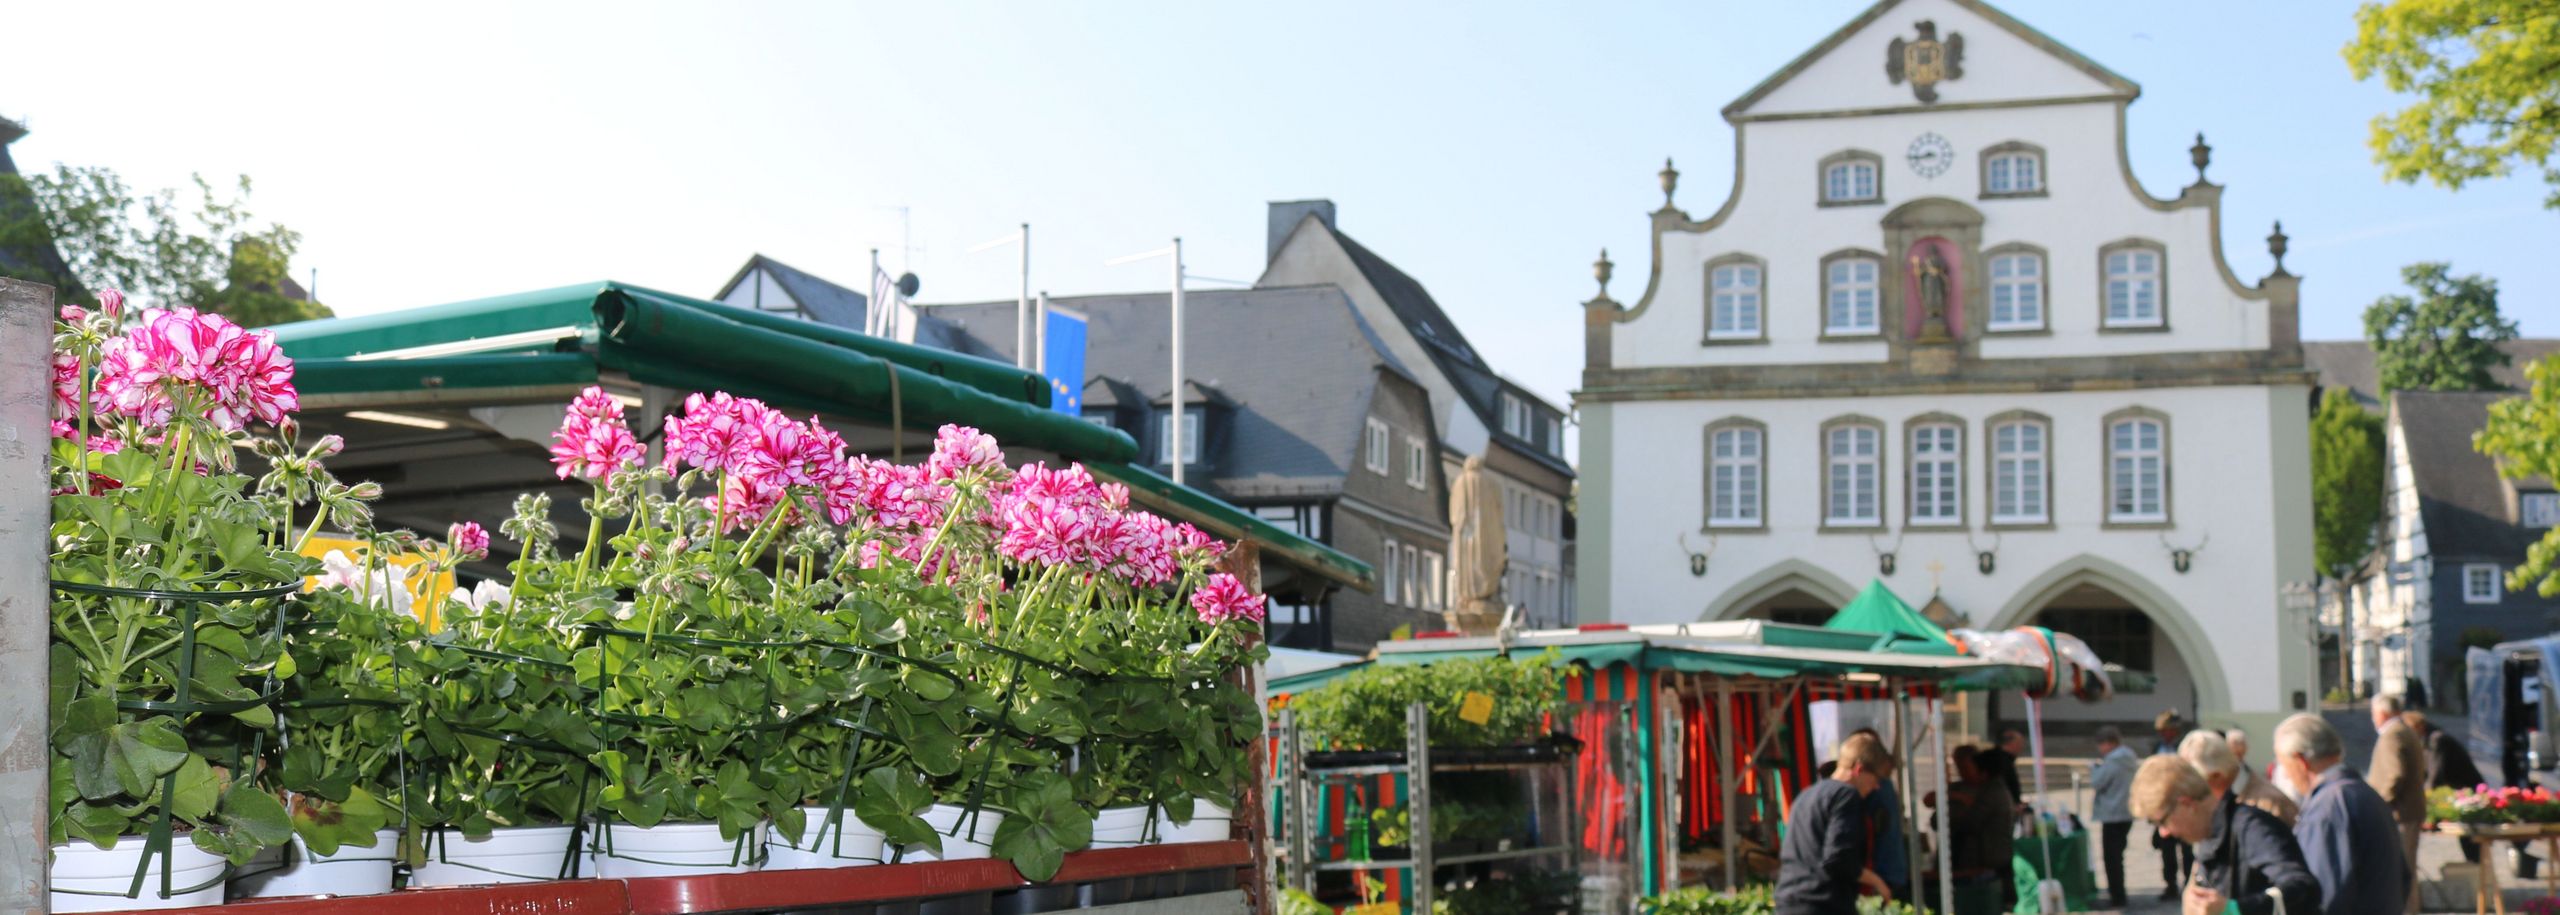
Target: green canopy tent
column 1898, row 628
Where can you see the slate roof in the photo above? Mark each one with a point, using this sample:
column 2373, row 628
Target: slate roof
column 2349, row 364
column 1476, row 382
column 1295, row 365
column 827, row 301
column 40, row 261
column 2465, row 505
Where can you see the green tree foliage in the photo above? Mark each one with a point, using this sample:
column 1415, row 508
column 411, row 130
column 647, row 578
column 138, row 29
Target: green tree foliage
column 210, row 254
column 2487, row 78
column 2446, row 338
column 2346, row 482
column 2524, row 435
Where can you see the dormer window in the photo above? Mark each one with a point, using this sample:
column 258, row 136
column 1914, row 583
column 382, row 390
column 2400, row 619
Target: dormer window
column 1194, row 420
column 2539, row 509
column 2013, row 169
column 1852, row 177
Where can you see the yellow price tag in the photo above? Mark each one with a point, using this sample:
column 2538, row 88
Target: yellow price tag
column 1375, row 908
column 1475, row 708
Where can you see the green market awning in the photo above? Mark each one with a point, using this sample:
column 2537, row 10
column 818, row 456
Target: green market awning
column 544, row 345
column 1745, row 648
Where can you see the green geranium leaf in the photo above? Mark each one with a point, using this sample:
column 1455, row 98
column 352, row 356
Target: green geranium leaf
column 198, row 790
column 126, row 758
column 1046, row 824
column 889, row 801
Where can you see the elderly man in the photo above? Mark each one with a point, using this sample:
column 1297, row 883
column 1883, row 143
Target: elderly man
column 2346, row 833
column 2113, row 784
column 2244, row 858
column 1823, row 862
column 1981, row 819
column 2224, row 773
column 2399, row 774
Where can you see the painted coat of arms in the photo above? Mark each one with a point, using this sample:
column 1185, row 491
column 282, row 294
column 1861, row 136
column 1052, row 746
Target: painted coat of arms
column 1925, row 61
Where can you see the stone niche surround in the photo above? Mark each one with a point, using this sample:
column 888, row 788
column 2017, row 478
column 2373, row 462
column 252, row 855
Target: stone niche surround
column 1961, row 224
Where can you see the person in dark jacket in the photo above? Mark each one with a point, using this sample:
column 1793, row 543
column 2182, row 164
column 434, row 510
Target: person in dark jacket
column 2177, row 858
column 2242, row 852
column 2452, row 767
column 2346, row 833
column 1982, row 821
column 1822, row 864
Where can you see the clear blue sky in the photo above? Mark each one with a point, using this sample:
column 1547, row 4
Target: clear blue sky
column 443, row 152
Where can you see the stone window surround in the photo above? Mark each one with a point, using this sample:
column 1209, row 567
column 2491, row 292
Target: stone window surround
column 1759, row 522
column 2161, row 253
column 2044, row 176
column 1823, row 448
column 1730, row 259
column 1822, row 178
column 2044, row 288
column 1991, row 471
column 2107, row 492
column 1377, row 452
column 1824, row 303
column 1417, row 460
column 1910, row 486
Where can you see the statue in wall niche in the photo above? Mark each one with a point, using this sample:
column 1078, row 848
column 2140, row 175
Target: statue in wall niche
column 1931, row 271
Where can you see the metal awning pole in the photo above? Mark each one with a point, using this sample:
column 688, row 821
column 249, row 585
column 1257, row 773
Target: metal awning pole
column 1725, row 782
column 1946, row 856
column 1908, row 777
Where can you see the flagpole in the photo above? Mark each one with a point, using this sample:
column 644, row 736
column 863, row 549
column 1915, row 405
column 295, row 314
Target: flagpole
column 871, row 321
column 1174, row 445
column 1022, row 333
column 1040, row 332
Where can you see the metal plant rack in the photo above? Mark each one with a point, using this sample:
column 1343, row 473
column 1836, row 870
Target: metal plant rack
column 1417, row 761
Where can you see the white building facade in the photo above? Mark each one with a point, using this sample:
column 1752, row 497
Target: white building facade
column 1938, row 334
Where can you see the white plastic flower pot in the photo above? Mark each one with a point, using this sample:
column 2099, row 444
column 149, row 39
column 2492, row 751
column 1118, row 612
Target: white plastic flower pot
column 292, row 870
column 849, row 843
column 81, row 872
column 1209, row 823
column 1123, row 827
column 672, row 850
column 957, row 843
column 515, row 854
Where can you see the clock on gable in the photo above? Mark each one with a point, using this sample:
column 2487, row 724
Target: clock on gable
column 1930, row 155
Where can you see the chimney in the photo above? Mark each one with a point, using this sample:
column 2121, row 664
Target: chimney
column 1285, row 216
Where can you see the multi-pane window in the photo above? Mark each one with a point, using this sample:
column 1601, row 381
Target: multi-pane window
column 2017, row 291
column 1555, row 436
column 1433, row 582
column 1937, row 474
column 1415, row 462
column 2480, row 583
column 1376, row 455
column 2133, row 288
column 1414, row 586
column 1849, row 181
column 1733, row 477
column 2013, row 173
column 1851, row 466
column 1391, row 573
column 1736, row 302
column 1192, row 421
column 2540, row 509
column 1515, row 415
column 2137, row 486
column 2018, row 472
column 1851, row 293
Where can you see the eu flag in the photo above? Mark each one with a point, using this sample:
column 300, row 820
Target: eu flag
column 1062, row 360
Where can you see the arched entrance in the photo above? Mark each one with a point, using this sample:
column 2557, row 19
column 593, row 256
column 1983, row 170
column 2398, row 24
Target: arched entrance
column 1793, row 591
column 2126, row 621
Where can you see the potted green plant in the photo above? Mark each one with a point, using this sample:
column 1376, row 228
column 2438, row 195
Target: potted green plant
column 169, row 572
column 340, row 768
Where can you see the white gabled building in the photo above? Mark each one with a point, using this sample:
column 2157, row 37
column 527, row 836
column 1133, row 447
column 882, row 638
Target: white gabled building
column 1937, row 331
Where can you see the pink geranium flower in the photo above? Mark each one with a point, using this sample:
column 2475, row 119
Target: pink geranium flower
column 958, row 449
column 233, row 375
column 593, row 440
column 1226, row 598
column 469, row 540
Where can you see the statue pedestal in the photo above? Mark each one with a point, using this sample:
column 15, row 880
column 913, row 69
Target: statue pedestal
column 1933, row 359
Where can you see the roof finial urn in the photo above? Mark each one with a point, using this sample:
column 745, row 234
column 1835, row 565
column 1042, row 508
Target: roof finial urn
column 1600, row 269
column 1670, row 181
column 2201, row 154
column 2276, row 245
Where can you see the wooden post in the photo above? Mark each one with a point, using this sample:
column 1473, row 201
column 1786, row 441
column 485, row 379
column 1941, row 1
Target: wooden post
column 26, row 402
